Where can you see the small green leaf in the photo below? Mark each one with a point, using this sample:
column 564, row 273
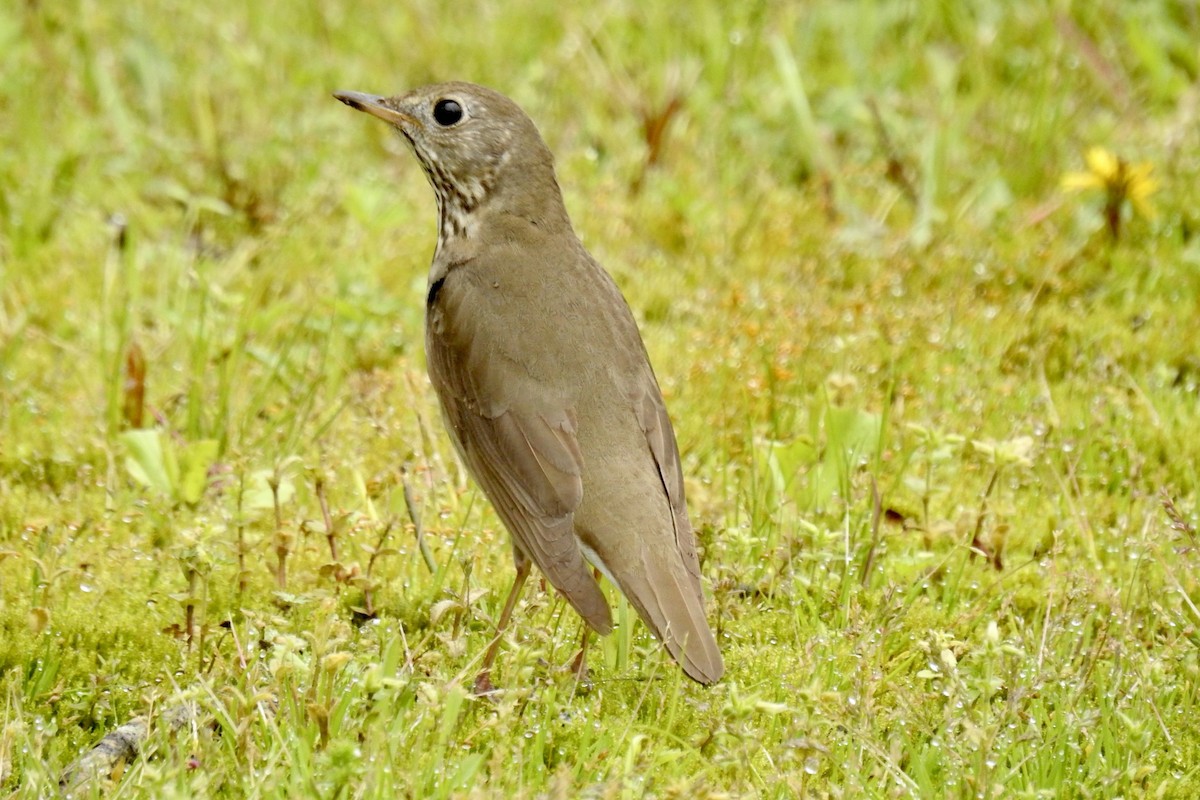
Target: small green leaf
column 785, row 460
column 852, row 432
column 146, row 461
column 196, row 460
column 258, row 495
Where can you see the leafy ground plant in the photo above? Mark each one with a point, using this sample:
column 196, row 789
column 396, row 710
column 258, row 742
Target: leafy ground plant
column 937, row 409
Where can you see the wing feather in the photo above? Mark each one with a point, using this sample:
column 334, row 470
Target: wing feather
column 524, row 454
column 660, row 436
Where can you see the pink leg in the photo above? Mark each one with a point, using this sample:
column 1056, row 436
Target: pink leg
column 483, row 681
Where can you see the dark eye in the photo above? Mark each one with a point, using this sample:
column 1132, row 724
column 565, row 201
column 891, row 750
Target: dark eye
column 447, row 112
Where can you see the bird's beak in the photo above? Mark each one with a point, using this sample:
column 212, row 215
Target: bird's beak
column 377, row 107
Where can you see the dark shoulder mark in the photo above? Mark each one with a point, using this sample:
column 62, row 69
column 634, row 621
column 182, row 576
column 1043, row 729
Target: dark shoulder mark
column 434, row 288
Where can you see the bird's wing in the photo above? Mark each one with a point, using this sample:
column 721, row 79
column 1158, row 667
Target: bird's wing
column 523, row 452
column 660, row 435
column 667, row 591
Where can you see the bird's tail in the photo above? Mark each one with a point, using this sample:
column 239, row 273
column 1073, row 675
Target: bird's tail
column 668, row 599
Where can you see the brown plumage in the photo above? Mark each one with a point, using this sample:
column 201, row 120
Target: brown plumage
column 544, row 382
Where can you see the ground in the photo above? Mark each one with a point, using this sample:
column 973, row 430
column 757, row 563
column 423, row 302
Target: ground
column 920, row 281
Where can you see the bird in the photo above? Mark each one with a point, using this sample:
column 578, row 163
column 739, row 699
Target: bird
column 543, row 379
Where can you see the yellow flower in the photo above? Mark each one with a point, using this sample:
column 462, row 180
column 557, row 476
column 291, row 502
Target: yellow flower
column 1138, row 188
column 1121, row 181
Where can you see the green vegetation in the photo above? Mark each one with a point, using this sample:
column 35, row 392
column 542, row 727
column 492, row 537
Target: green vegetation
column 938, row 410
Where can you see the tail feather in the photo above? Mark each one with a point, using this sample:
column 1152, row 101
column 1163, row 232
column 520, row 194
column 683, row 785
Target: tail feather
column 669, row 600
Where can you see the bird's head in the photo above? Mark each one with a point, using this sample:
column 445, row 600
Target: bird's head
column 475, row 145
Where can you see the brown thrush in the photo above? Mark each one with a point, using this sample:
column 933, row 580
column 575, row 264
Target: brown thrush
column 544, row 382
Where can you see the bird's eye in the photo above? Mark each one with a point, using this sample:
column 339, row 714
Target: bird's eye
column 447, row 112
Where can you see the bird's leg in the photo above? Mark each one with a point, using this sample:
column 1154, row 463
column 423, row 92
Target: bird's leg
column 579, row 663
column 483, row 681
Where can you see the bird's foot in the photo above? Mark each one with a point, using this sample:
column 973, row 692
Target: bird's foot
column 583, row 675
column 483, row 685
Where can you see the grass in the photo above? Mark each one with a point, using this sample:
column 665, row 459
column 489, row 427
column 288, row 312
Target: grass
column 937, row 416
